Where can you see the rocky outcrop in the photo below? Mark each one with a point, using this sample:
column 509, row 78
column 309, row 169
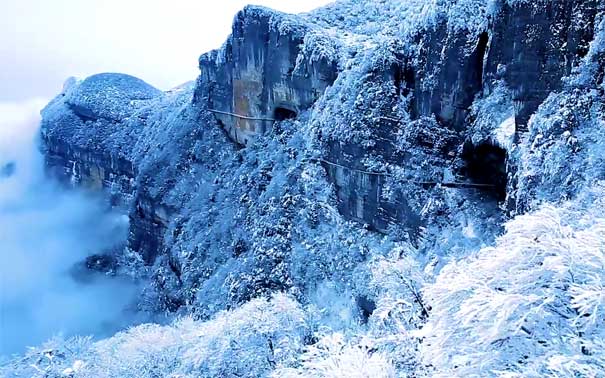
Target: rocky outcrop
column 447, row 74
column 109, row 96
column 85, row 138
column 527, row 47
column 397, row 130
column 274, row 66
column 149, row 221
column 77, row 128
column 116, row 177
column 92, row 170
column 533, row 45
column 263, row 74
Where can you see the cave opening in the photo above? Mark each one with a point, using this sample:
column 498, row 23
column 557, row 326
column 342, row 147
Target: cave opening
column 282, row 114
column 485, row 164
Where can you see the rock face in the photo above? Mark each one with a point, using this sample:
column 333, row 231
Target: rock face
column 83, row 146
column 449, row 74
column 96, row 106
column 533, row 45
column 262, row 74
column 91, row 170
column 399, row 129
column 528, row 47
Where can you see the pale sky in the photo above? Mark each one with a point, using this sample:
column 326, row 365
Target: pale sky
column 42, row 42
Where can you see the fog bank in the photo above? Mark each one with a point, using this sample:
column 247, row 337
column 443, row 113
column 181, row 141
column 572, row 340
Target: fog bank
column 44, row 231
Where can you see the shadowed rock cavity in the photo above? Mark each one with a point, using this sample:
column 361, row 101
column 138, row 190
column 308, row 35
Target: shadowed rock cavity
column 486, row 165
column 282, row 114
column 366, row 307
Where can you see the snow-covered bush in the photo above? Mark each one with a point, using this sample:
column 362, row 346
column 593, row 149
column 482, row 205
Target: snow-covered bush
column 493, row 117
column 335, row 357
column 247, row 342
column 397, row 282
column 531, row 306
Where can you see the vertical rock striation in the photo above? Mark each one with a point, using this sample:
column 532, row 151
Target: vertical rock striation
column 534, row 45
column 525, row 47
column 262, row 74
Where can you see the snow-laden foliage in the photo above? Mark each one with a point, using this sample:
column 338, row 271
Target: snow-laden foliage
column 383, row 346
column 404, row 18
column 247, row 342
column 334, row 357
column 354, row 107
column 282, row 231
column 531, row 306
column 493, row 118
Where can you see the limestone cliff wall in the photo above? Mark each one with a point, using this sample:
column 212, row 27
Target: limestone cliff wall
column 262, row 74
column 528, row 47
column 388, row 127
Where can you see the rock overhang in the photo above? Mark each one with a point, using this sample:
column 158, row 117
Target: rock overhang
column 362, row 172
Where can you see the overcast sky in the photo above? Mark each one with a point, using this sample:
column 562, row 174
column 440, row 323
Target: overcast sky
column 42, row 42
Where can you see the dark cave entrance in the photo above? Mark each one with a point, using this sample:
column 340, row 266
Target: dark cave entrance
column 282, row 114
column 485, row 164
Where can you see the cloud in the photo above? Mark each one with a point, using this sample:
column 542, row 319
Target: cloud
column 44, row 231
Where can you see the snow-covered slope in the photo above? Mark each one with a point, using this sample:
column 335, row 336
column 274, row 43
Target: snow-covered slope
column 355, row 164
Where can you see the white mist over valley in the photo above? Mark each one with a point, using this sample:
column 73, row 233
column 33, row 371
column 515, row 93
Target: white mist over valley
column 46, row 230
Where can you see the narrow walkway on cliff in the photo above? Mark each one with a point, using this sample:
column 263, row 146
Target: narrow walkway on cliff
column 447, row 184
column 486, row 166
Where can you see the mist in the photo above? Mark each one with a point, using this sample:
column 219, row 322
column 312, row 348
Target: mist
column 46, row 230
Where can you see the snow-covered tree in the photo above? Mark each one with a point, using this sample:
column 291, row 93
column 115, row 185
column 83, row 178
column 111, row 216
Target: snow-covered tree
column 531, row 306
column 247, row 342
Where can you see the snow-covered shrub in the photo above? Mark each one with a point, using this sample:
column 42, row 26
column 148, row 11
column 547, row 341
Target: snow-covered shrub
column 397, row 281
column 56, row 358
column 247, row 342
column 333, row 356
column 531, row 306
column 493, row 117
column 251, row 340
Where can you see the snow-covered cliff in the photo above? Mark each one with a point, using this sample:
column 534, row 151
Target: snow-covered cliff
column 343, row 157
